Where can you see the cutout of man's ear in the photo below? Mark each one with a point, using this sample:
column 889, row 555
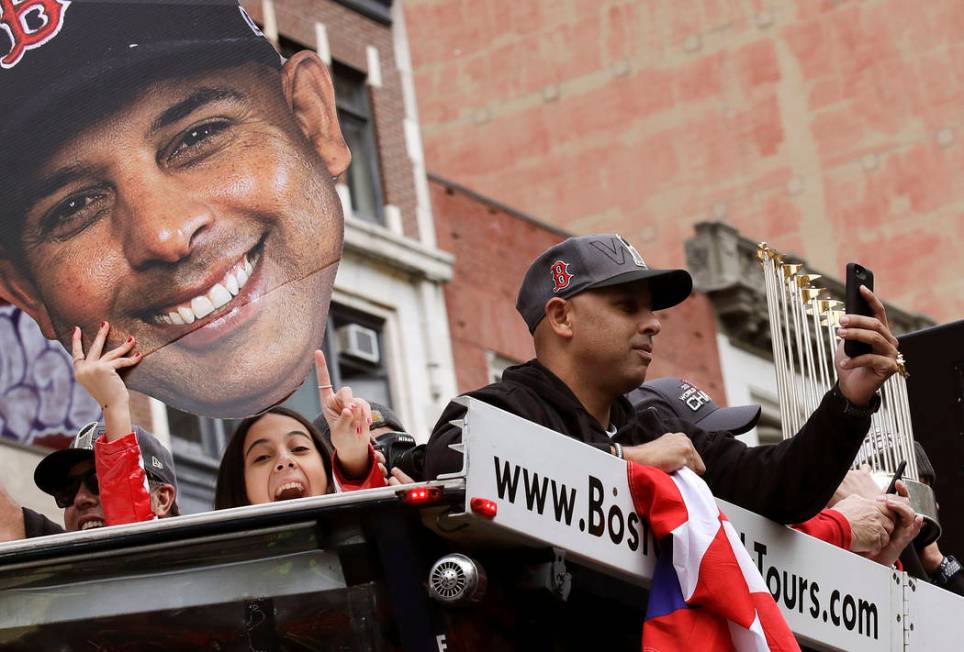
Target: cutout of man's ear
column 311, row 96
column 16, row 288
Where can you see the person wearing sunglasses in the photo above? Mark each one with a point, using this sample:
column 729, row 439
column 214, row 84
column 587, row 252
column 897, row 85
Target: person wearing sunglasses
column 94, row 491
column 111, row 474
column 70, row 476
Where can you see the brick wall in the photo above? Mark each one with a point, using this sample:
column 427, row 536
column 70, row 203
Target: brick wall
column 493, row 248
column 349, row 34
column 831, row 128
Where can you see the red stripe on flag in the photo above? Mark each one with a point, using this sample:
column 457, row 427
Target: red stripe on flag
column 656, row 497
column 685, row 630
column 722, row 587
column 779, row 636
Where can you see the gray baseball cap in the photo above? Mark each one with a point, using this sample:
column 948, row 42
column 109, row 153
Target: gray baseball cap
column 51, row 473
column 383, row 417
column 682, row 399
column 594, row 261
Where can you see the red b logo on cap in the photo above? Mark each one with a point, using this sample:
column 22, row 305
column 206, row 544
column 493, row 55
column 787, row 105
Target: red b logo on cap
column 19, row 20
column 560, row 275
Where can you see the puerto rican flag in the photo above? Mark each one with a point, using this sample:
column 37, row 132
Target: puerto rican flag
column 706, row 593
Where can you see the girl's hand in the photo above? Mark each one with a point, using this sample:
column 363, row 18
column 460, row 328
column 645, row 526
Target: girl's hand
column 97, row 373
column 348, row 420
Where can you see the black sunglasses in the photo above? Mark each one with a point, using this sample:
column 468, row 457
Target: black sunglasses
column 65, row 496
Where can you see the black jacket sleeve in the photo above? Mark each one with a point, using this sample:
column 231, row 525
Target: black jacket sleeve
column 788, row 482
column 439, row 458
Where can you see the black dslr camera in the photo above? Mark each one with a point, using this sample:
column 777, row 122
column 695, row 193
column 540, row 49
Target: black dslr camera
column 400, row 449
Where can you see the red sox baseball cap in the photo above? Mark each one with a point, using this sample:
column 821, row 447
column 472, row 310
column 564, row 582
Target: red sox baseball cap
column 594, row 261
column 57, row 53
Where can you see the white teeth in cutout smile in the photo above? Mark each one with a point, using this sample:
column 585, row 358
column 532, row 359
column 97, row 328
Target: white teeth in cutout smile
column 89, row 525
column 289, row 485
column 219, row 295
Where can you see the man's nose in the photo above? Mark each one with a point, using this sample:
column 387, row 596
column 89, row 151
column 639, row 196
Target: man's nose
column 162, row 221
column 650, row 324
column 84, row 498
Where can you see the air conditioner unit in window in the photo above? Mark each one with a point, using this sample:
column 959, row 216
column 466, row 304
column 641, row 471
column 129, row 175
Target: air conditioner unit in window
column 359, row 342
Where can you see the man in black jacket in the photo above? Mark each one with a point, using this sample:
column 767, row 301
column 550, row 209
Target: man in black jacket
column 589, row 304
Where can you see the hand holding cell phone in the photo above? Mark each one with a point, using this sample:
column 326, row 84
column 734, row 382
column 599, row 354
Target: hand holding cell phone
column 867, row 356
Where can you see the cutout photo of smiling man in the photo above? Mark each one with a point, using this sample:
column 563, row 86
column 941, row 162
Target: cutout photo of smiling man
column 163, row 169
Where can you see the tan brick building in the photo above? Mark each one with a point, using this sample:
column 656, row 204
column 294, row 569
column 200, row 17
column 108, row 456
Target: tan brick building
column 830, row 129
column 695, row 129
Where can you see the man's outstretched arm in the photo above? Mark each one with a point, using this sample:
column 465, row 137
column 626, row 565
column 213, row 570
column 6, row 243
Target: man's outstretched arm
column 791, row 481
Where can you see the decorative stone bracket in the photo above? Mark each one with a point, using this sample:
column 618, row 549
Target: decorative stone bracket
column 725, row 268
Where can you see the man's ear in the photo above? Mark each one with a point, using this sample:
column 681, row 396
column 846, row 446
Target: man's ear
column 21, row 292
column 162, row 499
column 311, row 98
column 559, row 317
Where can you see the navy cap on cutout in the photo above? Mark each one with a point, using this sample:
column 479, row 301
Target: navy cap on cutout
column 57, row 50
column 51, row 473
column 688, row 402
column 594, row 261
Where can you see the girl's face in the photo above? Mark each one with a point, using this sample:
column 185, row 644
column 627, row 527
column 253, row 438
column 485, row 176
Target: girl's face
column 281, row 461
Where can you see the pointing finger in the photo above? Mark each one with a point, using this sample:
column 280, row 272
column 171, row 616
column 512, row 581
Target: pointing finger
column 325, row 390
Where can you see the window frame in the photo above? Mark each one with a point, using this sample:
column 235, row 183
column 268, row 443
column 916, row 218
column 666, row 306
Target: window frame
column 361, row 114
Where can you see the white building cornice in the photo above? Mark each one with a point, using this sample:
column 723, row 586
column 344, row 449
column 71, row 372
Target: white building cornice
column 383, row 247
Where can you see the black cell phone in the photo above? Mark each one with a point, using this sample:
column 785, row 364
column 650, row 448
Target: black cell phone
column 892, row 487
column 855, row 304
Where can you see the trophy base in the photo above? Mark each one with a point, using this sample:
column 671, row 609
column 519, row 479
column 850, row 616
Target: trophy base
column 923, row 502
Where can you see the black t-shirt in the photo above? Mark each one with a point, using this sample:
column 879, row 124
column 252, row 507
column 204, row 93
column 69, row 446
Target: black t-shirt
column 38, row 525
